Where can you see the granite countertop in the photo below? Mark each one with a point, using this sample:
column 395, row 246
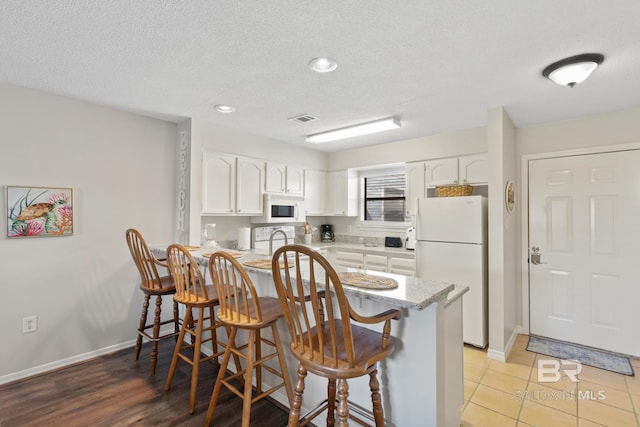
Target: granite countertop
column 412, row 293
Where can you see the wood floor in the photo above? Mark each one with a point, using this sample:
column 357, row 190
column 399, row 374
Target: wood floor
column 116, row 390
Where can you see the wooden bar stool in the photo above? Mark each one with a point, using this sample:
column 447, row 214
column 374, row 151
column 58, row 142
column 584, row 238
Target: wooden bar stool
column 242, row 308
column 152, row 284
column 323, row 337
column 192, row 291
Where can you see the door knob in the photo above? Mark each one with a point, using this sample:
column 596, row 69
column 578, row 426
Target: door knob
column 535, row 256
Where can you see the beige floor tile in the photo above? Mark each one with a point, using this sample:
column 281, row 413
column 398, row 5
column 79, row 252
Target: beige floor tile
column 499, row 401
column 607, row 395
column 504, row 382
column 478, row 416
column 473, row 372
column 600, row 376
column 522, row 358
column 475, row 356
column 635, row 399
column 521, row 424
column 553, row 398
column 587, row 423
column 513, row 369
column 543, row 416
column 469, row 388
column 605, row 414
column 633, row 384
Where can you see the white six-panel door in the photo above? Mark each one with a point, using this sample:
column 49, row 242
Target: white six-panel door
column 584, row 221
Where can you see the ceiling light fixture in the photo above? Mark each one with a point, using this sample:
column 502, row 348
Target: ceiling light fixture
column 323, row 65
column 573, row 70
column 224, row 108
column 355, row 130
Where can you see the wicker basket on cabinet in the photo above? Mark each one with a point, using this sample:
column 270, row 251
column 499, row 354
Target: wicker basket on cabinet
column 454, row 190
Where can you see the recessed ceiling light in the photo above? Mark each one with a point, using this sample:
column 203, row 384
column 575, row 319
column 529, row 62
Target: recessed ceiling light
column 323, row 65
column 224, row 108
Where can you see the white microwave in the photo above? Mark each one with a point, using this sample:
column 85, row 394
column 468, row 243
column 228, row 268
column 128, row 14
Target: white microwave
column 280, row 209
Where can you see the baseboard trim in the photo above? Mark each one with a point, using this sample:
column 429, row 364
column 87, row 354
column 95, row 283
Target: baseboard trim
column 36, row 370
column 501, row 356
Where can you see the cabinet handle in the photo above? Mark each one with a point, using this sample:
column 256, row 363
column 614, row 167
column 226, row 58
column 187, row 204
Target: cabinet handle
column 455, row 181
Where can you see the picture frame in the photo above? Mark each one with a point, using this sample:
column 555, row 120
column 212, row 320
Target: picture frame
column 39, row 212
column 509, row 197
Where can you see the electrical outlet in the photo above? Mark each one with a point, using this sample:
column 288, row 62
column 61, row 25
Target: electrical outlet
column 29, row 324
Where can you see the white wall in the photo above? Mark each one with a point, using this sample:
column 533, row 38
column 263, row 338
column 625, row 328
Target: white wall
column 503, row 236
column 458, row 143
column 83, row 288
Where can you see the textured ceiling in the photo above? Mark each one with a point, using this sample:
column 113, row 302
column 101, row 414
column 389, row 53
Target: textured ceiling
column 436, row 65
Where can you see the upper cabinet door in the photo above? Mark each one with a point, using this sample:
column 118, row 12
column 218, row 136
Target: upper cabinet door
column 414, row 176
column 315, row 192
column 295, row 181
column 474, row 169
column 249, row 185
column 276, row 180
column 218, row 183
column 441, row 172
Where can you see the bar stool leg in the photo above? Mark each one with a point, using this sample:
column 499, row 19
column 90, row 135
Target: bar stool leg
column 374, row 385
column 195, row 368
column 221, row 373
column 174, row 360
column 156, row 333
column 294, row 412
column 331, row 402
column 141, row 325
column 343, row 407
column 252, row 353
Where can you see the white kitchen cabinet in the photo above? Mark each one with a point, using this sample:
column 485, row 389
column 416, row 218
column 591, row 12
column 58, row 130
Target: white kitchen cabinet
column 402, row 265
column 349, row 259
column 295, row 181
column 474, row 169
column 284, row 179
column 249, row 185
column 415, row 182
column 457, row 170
column 375, row 262
column 315, row 185
column 342, row 193
column 218, row 183
column 441, row 172
column 231, row 185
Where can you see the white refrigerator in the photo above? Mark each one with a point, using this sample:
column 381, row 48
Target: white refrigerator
column 451, row 246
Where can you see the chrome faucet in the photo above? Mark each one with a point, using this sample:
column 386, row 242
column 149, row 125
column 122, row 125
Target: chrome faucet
column 273, row 233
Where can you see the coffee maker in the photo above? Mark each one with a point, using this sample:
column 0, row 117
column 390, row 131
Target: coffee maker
column 326, row 232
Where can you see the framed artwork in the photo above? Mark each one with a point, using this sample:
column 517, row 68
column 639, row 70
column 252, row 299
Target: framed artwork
column 509, row 196
column 39, row 212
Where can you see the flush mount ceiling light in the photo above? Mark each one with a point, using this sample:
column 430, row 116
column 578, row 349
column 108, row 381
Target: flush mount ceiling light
column 323, row 65
column 355, row 130
column 573, row 70
column 224, row 108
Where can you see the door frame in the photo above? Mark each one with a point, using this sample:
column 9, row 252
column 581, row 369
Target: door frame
column 524, row 212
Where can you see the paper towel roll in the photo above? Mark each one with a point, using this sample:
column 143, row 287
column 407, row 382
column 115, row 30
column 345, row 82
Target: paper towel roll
column 244, row 238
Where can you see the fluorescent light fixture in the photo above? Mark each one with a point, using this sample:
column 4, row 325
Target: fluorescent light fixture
column 224, row 108
column 355, row 130
column 573, row 70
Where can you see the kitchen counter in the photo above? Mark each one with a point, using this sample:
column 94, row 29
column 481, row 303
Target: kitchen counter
column 380, row 249
column 422, row 381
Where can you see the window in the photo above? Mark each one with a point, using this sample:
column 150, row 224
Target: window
column 384, row 198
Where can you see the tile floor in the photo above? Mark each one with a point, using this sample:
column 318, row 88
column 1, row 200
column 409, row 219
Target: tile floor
column 509, row 394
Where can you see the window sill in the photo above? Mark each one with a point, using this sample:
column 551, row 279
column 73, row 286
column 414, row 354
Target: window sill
column 384, row 226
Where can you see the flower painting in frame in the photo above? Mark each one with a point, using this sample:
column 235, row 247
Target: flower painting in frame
column 39, row 212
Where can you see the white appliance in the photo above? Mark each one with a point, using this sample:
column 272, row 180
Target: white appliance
column 451, row 246
column 410, row 239
column 279, row 209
